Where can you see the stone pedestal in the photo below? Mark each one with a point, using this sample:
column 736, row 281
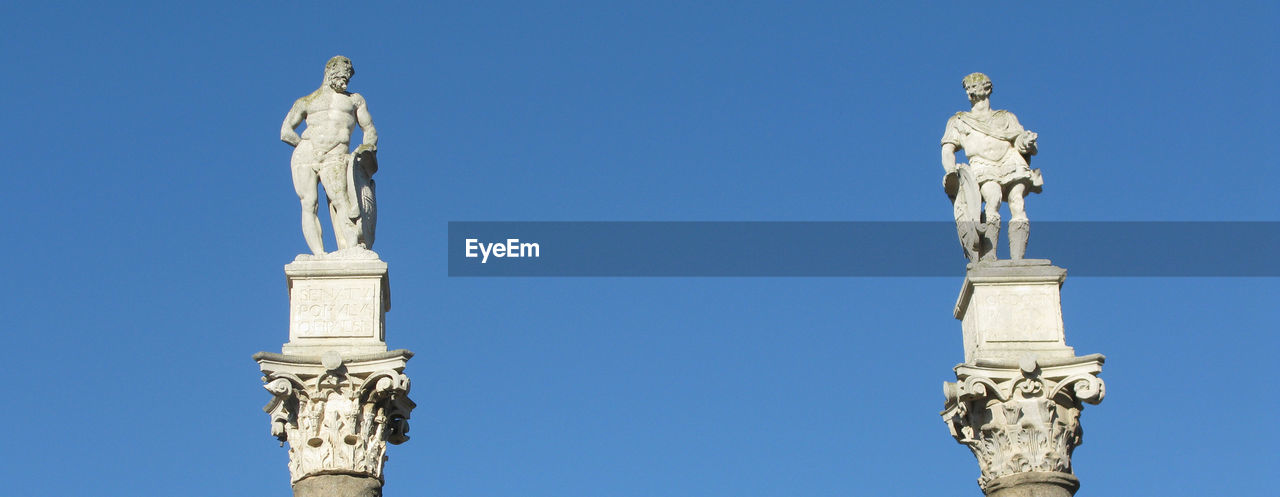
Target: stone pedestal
column 338, row 395
column 1017, row 398
column 1010, row 308
column 337, row 305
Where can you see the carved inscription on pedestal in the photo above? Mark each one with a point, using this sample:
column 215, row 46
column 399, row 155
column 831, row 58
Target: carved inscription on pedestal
column 334, row 308
column 1018, row 313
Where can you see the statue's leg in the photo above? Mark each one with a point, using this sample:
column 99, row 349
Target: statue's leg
column 334, row 179
column 991, row 195
column 1019, row 225
column 304, row 184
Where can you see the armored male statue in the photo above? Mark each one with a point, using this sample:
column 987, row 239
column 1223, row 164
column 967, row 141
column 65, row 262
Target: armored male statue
column 321, row 155
column 999, row 169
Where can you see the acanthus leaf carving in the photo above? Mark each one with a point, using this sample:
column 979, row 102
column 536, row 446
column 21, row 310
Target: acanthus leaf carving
column 337, row 421
column 1018, row 420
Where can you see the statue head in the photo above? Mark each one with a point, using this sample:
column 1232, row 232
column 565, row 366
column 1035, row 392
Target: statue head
column 337, row 72
column 978, row 86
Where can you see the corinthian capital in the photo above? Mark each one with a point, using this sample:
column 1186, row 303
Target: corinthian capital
column 1022, row 420
column 337, row 414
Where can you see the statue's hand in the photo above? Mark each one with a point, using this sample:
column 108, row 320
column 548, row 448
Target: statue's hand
column 365, row 147
column 290, row 137
column 1026, row 142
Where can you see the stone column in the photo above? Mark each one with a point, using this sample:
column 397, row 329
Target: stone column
column 338, row 395
column 1018, row 396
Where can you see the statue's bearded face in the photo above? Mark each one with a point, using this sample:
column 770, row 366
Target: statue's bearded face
column 337, row 79
column 978, row 90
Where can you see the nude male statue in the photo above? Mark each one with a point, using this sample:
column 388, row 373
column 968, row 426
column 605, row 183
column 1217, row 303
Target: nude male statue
column 321, row 154
column 999, row 152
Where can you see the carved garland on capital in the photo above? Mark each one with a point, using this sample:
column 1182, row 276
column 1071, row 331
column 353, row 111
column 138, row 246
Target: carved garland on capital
column 338, row 423
column 1019, row 423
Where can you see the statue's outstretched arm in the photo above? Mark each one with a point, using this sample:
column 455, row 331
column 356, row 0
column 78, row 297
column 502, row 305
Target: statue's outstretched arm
column 370, row 140
column 291, row 122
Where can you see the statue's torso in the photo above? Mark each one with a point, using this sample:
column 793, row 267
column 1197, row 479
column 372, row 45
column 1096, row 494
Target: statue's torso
column 331, row 117
column 980, row 143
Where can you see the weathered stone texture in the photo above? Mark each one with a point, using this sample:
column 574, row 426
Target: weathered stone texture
column 1017, row 398
column 338, row 486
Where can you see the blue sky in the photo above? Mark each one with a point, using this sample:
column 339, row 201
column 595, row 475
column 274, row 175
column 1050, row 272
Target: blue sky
column 153, row 211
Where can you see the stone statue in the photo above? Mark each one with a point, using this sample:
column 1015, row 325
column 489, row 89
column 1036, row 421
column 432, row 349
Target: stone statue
column 999, row 169
column 321, row 155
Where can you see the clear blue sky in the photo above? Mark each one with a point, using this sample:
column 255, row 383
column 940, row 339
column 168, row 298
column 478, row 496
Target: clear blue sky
column 152, row 211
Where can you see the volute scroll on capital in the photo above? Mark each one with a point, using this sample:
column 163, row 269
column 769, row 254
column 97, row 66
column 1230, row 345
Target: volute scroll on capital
column 1022, row 419
column 336, row 420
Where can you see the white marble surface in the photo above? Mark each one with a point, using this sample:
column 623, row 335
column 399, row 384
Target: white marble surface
column 999, row 170
column 321, row 155
column 1021, row 419
column 337, row 304
column 1011, row 308
column 337, row 412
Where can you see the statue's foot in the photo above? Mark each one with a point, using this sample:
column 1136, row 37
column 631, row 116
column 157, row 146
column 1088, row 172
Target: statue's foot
column 357, row 252
column 309, row 257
